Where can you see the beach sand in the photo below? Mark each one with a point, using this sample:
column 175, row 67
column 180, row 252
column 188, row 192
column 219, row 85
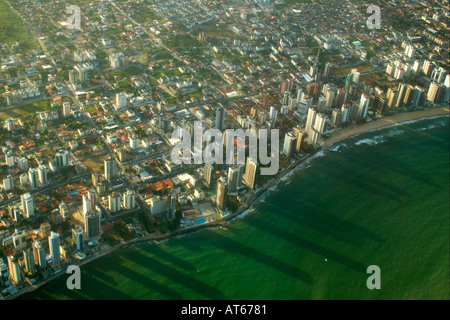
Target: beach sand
column 384, row 122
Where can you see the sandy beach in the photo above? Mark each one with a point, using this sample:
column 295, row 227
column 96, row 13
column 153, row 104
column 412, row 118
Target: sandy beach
column 386, row 121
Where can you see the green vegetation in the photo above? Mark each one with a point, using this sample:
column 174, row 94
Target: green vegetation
column 12, row 29
column 122, row 230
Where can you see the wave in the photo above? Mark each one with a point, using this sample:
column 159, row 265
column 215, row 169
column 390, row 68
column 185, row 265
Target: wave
column 370, row 141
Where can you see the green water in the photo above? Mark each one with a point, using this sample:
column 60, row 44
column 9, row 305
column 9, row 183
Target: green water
column 383, row 200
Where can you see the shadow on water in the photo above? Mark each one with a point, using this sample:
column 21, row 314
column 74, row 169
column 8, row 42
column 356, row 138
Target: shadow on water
column 179, row 277
column 317, row 219
column 306, row 244
column 229, row 245
column 173, row 260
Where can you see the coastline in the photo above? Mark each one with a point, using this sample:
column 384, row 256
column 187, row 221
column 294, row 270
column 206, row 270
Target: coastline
column 343, row 134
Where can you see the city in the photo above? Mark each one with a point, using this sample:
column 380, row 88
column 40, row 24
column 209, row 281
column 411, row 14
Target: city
column 88, row 114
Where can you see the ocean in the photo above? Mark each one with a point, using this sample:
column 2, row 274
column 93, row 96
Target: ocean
column 380, row 198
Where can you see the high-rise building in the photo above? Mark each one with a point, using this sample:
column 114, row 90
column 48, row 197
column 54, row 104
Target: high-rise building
column 298, row 143
column 110, row 168
column 221, row 194
column 250, row 173
column 363, row 107
column 73, row 76
column 121, row 100
column 235, row 175
column 22, row 162
column 10, row 124
column 328, row 70
column 435, row 92
column 207, row 175
column 66, row 109
column 134, row 142
column 54, row 244
column 92, row 224
column 171, row 206
column 64, row 210
column 33, row 177
column 273, row 115
column 220, row 118
column 39, row 255
column 27, row 205
column 4, row 275
column 86, row 205
column 129, row 200
column 14, row 269
column 62, row 158
column 289, row 142
column 78, row 238
column 29, row 261
column 310, row 119
column 8, row 183
column 114, row 202
column 42, row 174
column 355, row 75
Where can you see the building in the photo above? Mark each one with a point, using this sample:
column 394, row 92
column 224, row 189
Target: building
column 73, row 76
column 39, row 255
column 8, row 183
column 221, row 194
column 64, row 210
column 27, row 205
column 328, row 70
column 121, row 100
column 310, row 119
column 129, row 200
column 207, row 175
column 273, row 114
column 134, row 142
column 363, row 107
column 220, row 118
column 19, row 239
column 14, row 269
column 62, row 158
column 30, row 267
column 172, row 206
column 92, row 224
column 9, row 159
column 110, row 168
column 235, row 175
column 298, row 143
column 114, row 200
column 42, row 174
column 66, row 109
column 33, row 177
column 435, row 92
column 54, row 244
column 22, row 163
column 78, row 238
column 250, row 173
column 289, row 143
column 4, row 275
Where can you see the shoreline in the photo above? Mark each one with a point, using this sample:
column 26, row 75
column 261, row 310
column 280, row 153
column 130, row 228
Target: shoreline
column 345, row 133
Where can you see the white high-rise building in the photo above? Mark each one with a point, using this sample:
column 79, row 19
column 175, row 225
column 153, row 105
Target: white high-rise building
column 33, row 177
column 8, row 183
column 54, row 244
column 78, row 238
column 363, row 107
column 14, row 269
column 121, row 100
column 129, row 200
column 289, row 140
column 134, row 142
column 27, row 205
column 250, row 173
column 42, row 174
column 66, row 109
column 273, row 115
column 9, row 159
column 235, row 175
column 22, row 163
column 62, row 158
column 110, row 168
column 220, row 118
column 310, row 119
column 39, row 255
column 114, row 202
